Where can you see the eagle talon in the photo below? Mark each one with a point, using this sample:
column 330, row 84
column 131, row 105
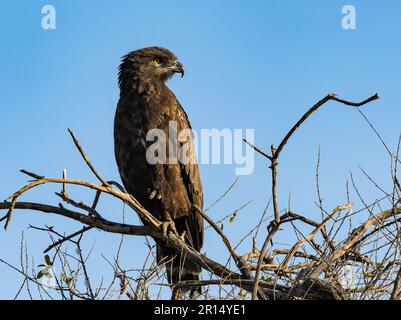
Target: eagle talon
column 168, row 226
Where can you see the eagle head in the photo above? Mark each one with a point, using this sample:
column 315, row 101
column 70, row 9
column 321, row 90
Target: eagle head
column 149, row 64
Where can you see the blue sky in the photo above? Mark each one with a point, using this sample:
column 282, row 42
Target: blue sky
column 256, row 65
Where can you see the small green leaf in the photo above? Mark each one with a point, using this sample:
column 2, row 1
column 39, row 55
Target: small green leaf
column 40, row 274
column 233, row 217
column 267, row 279
column 48, row 261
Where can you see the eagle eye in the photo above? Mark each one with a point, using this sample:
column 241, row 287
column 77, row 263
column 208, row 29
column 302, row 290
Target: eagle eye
column 156, row 61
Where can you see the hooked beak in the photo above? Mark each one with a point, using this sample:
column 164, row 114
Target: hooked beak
column 177, row 67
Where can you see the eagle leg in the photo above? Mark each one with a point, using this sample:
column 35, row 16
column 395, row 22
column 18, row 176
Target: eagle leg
column 168, row 224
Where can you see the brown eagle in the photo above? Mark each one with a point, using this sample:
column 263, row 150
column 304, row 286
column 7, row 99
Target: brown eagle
column 170, row 191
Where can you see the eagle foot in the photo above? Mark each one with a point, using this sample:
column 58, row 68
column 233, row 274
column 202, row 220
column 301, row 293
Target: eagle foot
column 168, row 226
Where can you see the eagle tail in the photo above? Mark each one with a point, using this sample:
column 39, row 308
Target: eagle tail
column 178, row 268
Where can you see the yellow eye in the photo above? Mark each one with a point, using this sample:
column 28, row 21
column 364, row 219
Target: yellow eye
column 156, row 61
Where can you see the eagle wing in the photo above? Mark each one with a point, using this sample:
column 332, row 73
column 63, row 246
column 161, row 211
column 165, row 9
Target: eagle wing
column 189, row 170
column 171, row 188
